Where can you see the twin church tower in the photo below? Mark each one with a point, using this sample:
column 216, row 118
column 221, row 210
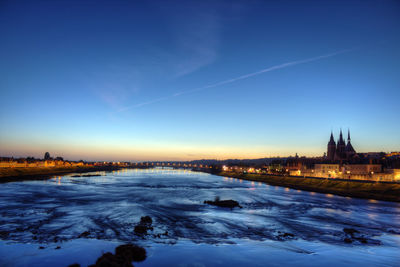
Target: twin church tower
column 340, row 151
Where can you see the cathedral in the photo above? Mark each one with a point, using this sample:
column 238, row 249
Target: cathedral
column 340, row 151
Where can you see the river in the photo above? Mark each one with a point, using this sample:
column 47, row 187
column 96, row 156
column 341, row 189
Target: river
column 41, row 222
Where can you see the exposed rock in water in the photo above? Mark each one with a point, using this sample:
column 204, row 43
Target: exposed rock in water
column 4, row 234
column 110, row 260
column 140, row 229
column 362, row 240
column 131, row 252
column 223, row 203
column 353, row 235
column 124, row 255
column 285, row 236
column 350, row 231
column 146, row 220
column 74, row 265
column 144, row 225
column 90, row 175
column 85, row 175
column 84, row 234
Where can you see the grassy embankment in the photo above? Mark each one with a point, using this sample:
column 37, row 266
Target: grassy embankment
column 21, row 174
column 359, row 189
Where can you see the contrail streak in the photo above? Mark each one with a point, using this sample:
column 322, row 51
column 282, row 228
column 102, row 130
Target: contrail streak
column 276, row 67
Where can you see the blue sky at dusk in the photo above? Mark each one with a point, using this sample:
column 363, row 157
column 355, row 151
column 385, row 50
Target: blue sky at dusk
column 177, row 80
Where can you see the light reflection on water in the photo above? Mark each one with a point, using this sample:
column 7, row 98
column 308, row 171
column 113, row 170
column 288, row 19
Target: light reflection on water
column 109, row 207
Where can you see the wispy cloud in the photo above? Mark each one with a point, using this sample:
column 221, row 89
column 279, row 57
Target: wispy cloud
column 113, row 84
column 196, row 41
column 269, row 69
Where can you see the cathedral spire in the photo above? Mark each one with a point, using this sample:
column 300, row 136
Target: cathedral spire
column 350, row 152
column 341, row 137
column 331, row 148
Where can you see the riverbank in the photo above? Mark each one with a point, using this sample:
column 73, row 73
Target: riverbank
column 24, row 174
column 358, row 189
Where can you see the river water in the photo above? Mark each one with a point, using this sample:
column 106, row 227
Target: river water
column 276, row 226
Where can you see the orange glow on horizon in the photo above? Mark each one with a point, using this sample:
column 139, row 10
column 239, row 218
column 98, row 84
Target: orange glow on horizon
column 140, row 152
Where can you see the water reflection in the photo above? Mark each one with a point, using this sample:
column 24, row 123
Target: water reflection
column 109, row 207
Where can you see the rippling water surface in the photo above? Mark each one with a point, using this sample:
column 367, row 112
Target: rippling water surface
column 275, row 226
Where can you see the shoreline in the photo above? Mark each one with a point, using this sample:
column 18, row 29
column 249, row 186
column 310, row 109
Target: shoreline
column 357, row 189
column 29, row 174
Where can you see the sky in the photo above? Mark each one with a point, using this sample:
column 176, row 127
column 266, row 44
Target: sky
column 182, row 80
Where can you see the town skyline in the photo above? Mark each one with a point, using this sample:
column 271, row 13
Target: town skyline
column 341, row 135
